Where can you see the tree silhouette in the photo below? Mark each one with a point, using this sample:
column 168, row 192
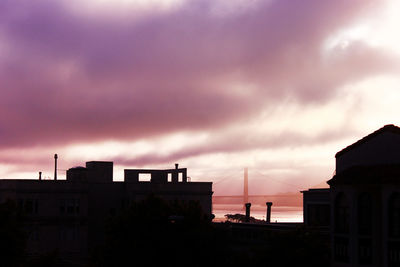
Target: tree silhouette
column 159, row 233
column 155, row 232
column 241, row 218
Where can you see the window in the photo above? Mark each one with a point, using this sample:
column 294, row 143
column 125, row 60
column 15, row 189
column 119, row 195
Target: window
column 342, row 215
column 341, row 249
column 69, row 206
column 144, row 177
column 28, row 206
column 365, row 214
column 62, row 205
column 36, row 206
column 365, row 250
column 394, row 253
column 68, row 233
column 318, row 214
column 20, row 204
column 394, row 215
column 34, row 234
column 77, row 206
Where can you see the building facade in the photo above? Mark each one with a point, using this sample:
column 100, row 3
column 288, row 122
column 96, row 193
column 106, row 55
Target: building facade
column 69, row 216
column 365, row 201
column 316, row 207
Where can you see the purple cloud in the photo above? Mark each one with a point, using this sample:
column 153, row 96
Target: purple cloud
column 67, row 78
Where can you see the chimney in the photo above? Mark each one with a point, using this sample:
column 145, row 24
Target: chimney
column 40, row 176
column 269, row 204
column 248, row 205
column 55, row 166
column 176, row 166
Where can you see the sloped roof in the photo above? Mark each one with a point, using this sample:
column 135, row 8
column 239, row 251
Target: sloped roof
column 372, row 174
column 387, row 128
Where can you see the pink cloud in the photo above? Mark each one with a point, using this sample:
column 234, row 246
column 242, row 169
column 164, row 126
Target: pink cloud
column 234, row 143
column 69, row 78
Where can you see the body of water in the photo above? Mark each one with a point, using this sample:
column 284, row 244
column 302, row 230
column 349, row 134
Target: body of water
column 278, row 213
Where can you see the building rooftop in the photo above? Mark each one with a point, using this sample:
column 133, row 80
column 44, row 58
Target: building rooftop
column 387, row 128
column 368, row 174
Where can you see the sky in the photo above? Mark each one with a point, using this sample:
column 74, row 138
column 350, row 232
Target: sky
column 278, row 86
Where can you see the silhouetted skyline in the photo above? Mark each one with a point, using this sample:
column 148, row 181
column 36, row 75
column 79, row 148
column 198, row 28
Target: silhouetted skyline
column 90, row 218
column 216, row 86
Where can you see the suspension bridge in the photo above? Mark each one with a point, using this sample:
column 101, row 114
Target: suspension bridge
column 286, row 199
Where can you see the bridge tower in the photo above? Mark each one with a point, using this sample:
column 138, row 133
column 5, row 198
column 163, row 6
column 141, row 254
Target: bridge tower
column 246, row 186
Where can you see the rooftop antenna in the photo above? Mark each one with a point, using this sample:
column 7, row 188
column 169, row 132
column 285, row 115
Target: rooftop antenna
column 55, row 166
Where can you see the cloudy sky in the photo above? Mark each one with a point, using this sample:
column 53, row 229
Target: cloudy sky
column 278, row 86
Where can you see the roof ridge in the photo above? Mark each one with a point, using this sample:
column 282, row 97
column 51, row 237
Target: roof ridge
column 388, row 127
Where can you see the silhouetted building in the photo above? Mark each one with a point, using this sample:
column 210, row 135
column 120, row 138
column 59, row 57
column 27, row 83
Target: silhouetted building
column 365, row 201
column 316, row 207
column 70, row 215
